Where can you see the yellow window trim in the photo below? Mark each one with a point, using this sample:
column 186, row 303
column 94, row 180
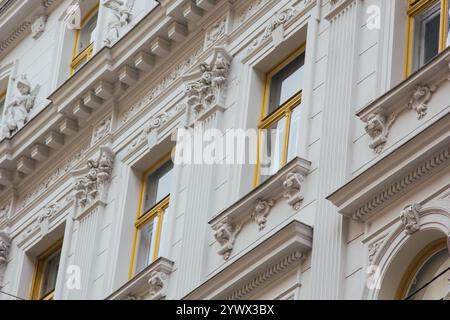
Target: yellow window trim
column 2, row 96
column 36, row 284
column 418, row 262
column 284, row 111
column 86, row 54
column 416, row 7
column 158, row 210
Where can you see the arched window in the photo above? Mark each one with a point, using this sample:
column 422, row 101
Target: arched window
column 427, row 278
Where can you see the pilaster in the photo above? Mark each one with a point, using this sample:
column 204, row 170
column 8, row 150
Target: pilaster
column 327, row 255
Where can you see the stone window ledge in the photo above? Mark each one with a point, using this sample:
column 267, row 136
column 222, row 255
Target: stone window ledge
column 151, row 282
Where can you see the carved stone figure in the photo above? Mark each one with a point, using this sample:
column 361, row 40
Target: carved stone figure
column 421, row 96
column 410, row 218
column 211, row 86
column 122, row 10
column 157, row 283
column 261, row 211
column 18, row 110
column 89, row 186
column 5, row 243
column 225, row 234
column 377, row 127
column 293, row 187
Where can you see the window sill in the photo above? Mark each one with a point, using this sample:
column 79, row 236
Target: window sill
column 142, row 285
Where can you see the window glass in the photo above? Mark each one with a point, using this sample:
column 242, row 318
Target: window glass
column 432, row 268
column 51, row 265
column 147, row 233
column 2, row 106
column 286, row 83
column 158, row 186
column 87, row 33
column 293, row 134
column 426, row 35
column 272, row 149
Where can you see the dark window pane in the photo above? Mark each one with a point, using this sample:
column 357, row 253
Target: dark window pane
column 158, row 185
column 51, row 265
column 286, row 83
column 432, row 38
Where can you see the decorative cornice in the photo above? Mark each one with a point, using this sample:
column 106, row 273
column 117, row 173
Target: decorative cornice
column 30, row 11
column 392, row 176
column 267, row 275
column 402, row 184
column 414, row 94
column 275, row 255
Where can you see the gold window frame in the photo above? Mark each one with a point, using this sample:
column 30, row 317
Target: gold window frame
column 418, row 262
column 79, row 58
column 283, row 111
column 39, row 272
column 415, row 7
column 157, row 211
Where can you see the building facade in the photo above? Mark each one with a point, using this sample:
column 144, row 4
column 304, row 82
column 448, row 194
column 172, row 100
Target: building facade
column 224, row 149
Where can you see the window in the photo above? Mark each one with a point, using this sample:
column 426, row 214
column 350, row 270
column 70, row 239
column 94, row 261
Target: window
column 2, row 105
column 280, row 116
column 46, row 273
column 84, row 40
column 427, row 277
column 155, row 194
column 427, row 31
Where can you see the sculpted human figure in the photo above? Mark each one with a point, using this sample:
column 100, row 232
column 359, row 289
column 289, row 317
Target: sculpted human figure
column 122, row 10
column 18, row 110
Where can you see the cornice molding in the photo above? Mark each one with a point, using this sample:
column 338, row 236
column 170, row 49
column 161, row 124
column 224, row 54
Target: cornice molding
column 284, row 250
column 91, row 89
column 17, row 18
column 422, row 156
column 413, row 95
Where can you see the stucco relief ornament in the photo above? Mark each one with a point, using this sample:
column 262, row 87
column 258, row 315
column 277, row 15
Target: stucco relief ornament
column 38, row 26
column 377, row 127
column 293, row 189
column 5, row 244
column 421, row 96
column 261, row 212
column 93, row 184
column 18, row 110
column 45, row 216
column 211, row 86
column 225, row 234
column 122, row 11
column 157, row 282
column 410, row 217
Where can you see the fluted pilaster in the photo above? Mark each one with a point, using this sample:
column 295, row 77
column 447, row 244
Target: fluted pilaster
column 327, row 254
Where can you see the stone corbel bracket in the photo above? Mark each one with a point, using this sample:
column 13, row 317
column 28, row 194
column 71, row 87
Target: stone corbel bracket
column 413, row 94
column 93, row 180
column 256, row 206
column 152, row 282
column 207, row 87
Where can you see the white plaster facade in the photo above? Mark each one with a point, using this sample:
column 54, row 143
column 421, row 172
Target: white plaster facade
column 127, row 101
